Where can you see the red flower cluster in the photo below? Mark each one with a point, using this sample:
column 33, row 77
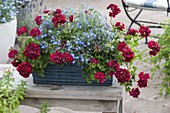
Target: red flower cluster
column 154, row 46
column 71, row 18
column 35, row 32
column 38, row 20
column 46, row 11
column 120, row 26
column 15, row 62
column 32, row 51
column 59, row 57
column 132, row 31
column 113, row 64
column 128, row 54
column 24, row 69
column 67, row 57
column 135, row 92
column 142, row 82
column 94, row 61
column 58, row 18
column 22, row 30
column 122, row 75
column 58, row 11
column 12, row 53
column 100, row 76
column 126, row 51
column 144, row 31
column 115, row 10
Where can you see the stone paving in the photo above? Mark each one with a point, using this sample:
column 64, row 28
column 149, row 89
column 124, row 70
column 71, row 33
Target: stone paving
column 149, row 101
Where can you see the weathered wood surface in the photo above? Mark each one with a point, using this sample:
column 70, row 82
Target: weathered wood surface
column 76, row 105
column 78, row 98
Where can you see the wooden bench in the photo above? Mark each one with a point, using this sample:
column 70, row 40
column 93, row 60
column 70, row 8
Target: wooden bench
column 105, row 99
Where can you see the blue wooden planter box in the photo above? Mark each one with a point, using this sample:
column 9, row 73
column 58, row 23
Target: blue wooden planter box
column 69, row 74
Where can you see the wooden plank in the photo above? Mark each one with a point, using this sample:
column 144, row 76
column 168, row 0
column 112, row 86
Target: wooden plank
column 69, row 92
column 76, row 105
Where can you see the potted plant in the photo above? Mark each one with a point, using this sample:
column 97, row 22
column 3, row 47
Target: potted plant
column 8, row 24
column 70, row 44
column 10, row 99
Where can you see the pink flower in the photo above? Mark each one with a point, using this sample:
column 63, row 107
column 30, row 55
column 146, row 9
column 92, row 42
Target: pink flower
column 100, row 76
column 122, row 75
column 115, row 10
column 38, row 20
column 12, row 53
column 71, row 18
column 94, row 61
column 113, row 64
column 134, row 92
column 144, row 31
column 120, row 26
column 132, row 31
column 35, row 32
column 32, row 51
column 24, row 69
column 22, row 30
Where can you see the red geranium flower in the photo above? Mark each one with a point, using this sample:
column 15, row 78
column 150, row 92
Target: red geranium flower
column 115, row 10
column 35, row 32
column 120, row 25
column 132, row 31
column 12, row 53
column 71, row 18
column 24, row 69
column 38, row 20
column 94, row 61
column 57, row 57
column 59, row 19
column 113, row 64
column 122, row 75
column 144, row 76
column 142, row 83
column 32, row 51
column 68, row 57
column 153, row 53
column 144, row 31
column 46, row 11
column 121, row 46
column 100, row 76
column 22, row 30
column 58, row 11
column 15, row 62
column 134, row 92
column 128, row 54
column 154, row 46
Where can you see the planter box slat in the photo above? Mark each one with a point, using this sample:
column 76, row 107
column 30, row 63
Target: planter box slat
column 69, row 74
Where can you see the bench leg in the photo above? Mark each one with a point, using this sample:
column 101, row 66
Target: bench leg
column 121, row 106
